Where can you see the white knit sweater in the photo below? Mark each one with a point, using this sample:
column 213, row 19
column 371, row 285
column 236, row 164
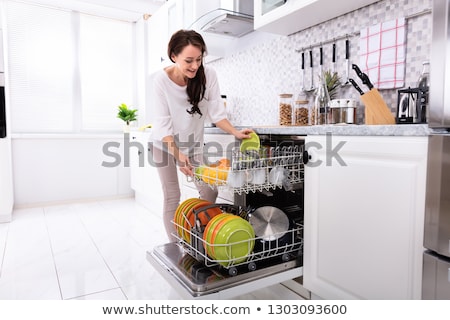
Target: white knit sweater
column 168, row 106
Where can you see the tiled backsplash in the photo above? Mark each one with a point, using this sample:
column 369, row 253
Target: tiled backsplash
column 253, row 79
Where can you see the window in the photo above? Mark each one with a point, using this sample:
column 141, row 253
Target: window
column 68, row 71
column 106, row 70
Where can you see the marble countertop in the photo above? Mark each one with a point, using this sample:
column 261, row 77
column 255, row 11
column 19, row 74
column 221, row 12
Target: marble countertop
column 340, row 130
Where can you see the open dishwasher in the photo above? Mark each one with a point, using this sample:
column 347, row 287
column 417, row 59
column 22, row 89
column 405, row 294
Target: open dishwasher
column 273, row 206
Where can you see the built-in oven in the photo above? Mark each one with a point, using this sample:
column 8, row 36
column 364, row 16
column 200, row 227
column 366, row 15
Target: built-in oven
column 272, row 204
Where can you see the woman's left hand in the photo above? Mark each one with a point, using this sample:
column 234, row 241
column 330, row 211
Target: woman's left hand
column 226, row 126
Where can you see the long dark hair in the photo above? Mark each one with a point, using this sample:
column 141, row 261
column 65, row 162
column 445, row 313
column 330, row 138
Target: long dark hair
column 195, row 86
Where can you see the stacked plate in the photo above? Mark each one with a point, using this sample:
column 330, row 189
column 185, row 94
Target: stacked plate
column 229, row 239
column 185, row 217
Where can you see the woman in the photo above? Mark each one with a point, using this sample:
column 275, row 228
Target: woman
column 184, row 95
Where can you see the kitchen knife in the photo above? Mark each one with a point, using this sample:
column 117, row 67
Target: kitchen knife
column 364, row 77
column 376, row 109
column 356, row 86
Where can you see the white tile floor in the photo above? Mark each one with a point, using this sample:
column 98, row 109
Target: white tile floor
column 88, row 250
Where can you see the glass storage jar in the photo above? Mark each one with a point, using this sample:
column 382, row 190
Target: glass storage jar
column 301, row 115
column 285, row 109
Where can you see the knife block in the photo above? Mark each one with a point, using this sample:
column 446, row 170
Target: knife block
column 376, row 110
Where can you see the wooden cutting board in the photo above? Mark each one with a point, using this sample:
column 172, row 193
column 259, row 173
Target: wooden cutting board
column 376, row 110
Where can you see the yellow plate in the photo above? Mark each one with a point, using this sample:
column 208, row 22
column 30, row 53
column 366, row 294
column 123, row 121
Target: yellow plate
column 178, row 214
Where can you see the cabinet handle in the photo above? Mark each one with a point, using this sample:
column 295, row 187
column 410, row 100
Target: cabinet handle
column 306, row 157
column 139, row 152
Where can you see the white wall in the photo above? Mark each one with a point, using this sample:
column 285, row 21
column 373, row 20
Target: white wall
column 57, row 168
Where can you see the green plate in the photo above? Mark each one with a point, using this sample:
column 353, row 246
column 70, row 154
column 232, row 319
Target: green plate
column 214, row 232
column 251, row 144
column 234, row 242
column 209, row 229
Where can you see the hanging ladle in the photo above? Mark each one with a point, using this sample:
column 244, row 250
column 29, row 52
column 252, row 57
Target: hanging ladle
column 311, row 88
column 302, row 89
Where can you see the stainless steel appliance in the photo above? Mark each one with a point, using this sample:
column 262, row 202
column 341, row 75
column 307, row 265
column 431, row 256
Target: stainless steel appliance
column 234, row 18
column 436, row 265
column 276, row 257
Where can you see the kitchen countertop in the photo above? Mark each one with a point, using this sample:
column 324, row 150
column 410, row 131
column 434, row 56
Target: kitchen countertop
column 340, row 130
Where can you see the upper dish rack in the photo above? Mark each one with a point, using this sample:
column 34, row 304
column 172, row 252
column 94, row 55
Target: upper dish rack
column 256, row 170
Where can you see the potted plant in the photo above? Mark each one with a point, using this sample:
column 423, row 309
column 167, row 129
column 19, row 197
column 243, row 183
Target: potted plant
column 333, row 82
column 127, row 115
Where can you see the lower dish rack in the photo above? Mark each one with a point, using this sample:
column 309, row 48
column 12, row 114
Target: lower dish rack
column 284, row 247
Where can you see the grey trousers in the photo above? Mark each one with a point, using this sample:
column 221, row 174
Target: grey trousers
column 168, row 176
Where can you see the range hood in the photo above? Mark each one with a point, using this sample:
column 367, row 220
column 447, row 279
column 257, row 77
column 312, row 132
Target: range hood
column 234, row 18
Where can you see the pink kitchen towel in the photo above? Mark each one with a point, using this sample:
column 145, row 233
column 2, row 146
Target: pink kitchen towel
column 382, row 50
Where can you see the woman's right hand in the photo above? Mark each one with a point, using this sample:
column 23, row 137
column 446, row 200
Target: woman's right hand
column 185, row 165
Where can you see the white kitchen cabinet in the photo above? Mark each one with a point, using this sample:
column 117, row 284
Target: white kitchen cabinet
column 2, row 54
column 297, row 15
column 144, row 176
column 55, row 168
column 158, row 37
column 169, row 18
column 364, row 216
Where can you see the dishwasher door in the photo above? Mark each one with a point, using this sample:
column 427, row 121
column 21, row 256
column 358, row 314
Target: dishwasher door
column 193, row 280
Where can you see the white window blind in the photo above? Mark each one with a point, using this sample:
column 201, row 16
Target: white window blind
column 68, row 71
column 41, row 71
column 106, row 48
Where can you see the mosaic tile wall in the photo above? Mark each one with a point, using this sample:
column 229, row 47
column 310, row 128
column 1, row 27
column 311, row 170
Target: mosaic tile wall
column 252, row 79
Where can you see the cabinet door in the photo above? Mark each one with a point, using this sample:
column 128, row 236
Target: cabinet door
column 296, row 15
column 364, row 211
column 144, row 176
column 137, row 159
column 158, row 36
